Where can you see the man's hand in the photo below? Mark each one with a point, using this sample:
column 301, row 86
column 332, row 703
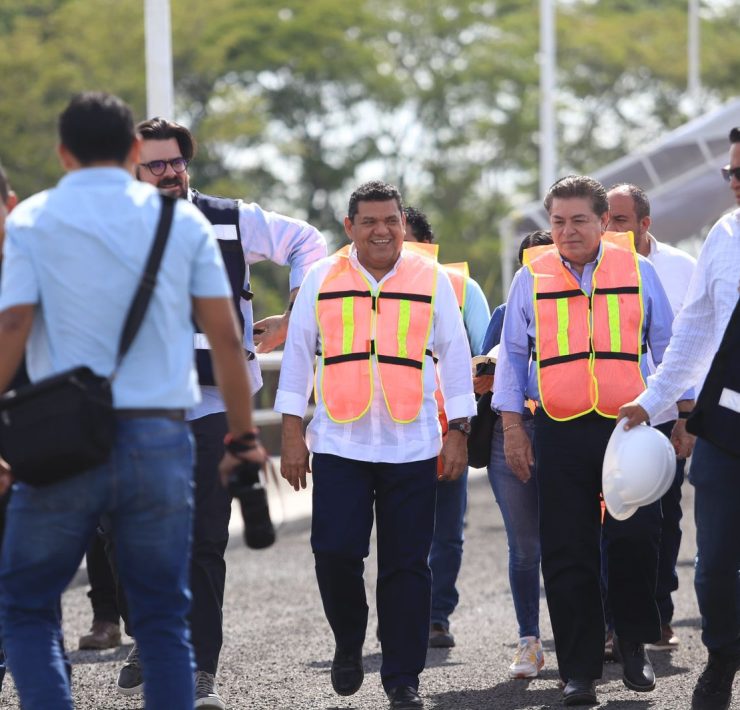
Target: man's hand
column 229, row 462
column 6, row 477
column 454, row 455
column 270, row 332
column 482, row 384
column 518, row 452
column 294, row 453
column 634, row 415
column 682, row 441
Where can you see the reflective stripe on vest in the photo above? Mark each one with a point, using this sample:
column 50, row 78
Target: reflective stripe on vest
column 391, row 326
column 588, row 349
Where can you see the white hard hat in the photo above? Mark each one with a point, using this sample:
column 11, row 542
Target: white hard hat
column 639, row 467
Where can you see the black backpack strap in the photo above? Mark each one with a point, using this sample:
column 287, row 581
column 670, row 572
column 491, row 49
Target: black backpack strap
column 139, row 304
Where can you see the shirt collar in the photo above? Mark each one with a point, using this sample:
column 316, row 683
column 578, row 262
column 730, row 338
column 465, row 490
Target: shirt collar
column 94, row 176
column 595, row 261
column 356, row 263
column 653, row 242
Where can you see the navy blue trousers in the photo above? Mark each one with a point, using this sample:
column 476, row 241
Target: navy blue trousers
column 716, row 477
column 569, row 457
column 344, row 492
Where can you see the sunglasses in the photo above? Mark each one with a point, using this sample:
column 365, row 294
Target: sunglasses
column 728, row 172
column 158, row 167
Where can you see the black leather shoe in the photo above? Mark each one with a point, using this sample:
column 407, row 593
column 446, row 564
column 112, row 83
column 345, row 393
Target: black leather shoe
column 713, row 690
column 347, row 673
column 637, row 671
column 579, row 692
column 404, row 697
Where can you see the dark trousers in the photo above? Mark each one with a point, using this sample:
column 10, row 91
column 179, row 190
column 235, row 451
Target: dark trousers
column 670, row 542
column 670, row 538
column 103, row 593
column 210, row 537
column 569, row 457
column 715, row 475
column 344, row 492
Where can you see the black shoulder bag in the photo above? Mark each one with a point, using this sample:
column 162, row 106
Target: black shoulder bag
column 65, row 424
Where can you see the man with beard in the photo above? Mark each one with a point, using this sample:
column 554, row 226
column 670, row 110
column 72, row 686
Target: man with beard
column 246, row 234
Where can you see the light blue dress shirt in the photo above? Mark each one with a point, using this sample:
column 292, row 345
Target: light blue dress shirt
column 77, row 251
column 516, row 375
column 475, row 315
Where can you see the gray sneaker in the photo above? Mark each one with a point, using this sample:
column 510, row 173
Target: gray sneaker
column 130, row 678
column 205, row 692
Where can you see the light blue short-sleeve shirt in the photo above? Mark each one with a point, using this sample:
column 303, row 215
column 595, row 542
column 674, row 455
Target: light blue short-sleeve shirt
column 77, row 251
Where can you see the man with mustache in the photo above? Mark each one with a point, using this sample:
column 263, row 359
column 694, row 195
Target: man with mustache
column 247, row 234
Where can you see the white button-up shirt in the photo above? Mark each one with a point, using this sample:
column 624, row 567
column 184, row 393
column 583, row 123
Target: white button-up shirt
column 701, row 323
column 375, row 436
column 675, row 269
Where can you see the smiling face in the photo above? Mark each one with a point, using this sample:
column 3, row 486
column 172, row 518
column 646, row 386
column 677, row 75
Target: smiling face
column 174, row 184
column 377, row 231
column 576, row 229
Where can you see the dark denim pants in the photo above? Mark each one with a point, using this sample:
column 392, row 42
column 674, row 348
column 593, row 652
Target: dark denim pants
column 445, row 557
column 715, row 475
column 520, row 512
column 344, row 492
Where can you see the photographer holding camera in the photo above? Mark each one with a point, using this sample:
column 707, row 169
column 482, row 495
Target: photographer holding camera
column 85, row 242
column 247, row 234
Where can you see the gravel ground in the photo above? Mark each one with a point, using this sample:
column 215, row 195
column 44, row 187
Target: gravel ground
column 278, row 648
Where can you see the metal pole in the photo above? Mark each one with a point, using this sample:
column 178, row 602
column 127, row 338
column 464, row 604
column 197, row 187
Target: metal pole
column 548, row 128
column 159, row 82
column 693, row 84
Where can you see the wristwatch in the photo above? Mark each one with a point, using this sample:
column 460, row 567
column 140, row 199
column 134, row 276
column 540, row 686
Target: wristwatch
column 462, row 425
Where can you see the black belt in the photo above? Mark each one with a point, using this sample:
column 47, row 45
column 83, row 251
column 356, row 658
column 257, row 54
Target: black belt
column 176, row 414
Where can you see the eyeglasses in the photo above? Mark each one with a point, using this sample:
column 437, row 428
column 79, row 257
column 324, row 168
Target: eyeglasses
column 728, row 172
column 158, row 167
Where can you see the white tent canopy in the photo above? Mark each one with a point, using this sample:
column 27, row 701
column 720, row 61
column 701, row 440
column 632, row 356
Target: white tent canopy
column 680, row 173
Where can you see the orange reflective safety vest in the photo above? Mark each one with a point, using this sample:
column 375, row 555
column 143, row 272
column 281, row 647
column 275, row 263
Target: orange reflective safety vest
column 391, row 326
column 588, row 349
column 458, row 274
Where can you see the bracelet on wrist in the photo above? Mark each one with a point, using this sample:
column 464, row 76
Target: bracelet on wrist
column 511, row 426
column 244, row 442
column 684, row 415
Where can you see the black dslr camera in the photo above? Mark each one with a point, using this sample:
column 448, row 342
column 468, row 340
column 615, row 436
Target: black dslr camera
column 245, row 485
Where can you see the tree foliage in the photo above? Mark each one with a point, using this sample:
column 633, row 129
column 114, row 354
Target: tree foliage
column 293, row 102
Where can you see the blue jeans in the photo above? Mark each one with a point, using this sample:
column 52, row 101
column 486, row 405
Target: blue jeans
column 520, row 511
column 146, row 490
column 715, row 475
column 445, row 556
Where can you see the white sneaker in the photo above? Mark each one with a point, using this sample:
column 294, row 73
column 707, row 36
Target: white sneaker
column 528, row 658
column 205, row 692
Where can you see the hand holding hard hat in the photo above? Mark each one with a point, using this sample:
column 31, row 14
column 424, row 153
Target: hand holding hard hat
column 639, row 467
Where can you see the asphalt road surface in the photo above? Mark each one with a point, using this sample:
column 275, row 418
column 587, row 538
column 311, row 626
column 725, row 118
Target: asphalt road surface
column 278, row 647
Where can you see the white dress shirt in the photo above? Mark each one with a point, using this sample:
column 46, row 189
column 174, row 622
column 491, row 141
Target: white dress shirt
column 701, row 323
column 266, row 236
column 375, row 436
column 675, row 269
